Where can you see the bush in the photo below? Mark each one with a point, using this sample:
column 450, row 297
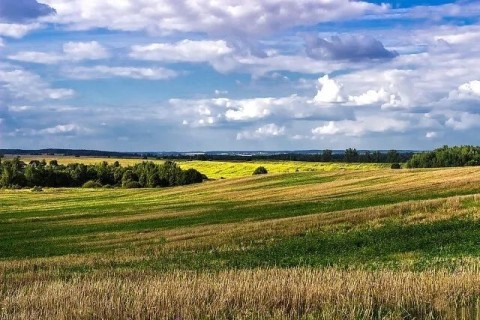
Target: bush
column 193, row 176
column 260, row 170
column 396, row 166
column 91, row 184
column 132, row 185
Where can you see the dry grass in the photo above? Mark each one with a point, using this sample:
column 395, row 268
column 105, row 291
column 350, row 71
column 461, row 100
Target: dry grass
column 248, row 294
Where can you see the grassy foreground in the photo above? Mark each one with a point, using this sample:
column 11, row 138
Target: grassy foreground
column 342, row 244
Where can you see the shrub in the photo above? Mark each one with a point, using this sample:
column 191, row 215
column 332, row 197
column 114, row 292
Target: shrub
column 396, row 166
column 91, row 184
column 260, row 170
column 193, row 176
column 132, row 185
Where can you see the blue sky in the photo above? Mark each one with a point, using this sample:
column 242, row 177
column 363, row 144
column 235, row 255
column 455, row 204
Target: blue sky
column 149, row 75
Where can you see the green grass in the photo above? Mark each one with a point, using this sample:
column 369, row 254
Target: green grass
column 143, row 227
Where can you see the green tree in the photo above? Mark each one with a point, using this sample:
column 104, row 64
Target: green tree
column 393, row 156
column 351, row 155
column 327, row 155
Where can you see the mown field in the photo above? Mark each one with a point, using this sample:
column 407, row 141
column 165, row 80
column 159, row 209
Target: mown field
column 329, row 244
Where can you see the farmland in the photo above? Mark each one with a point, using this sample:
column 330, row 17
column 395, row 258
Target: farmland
column 351, row 241
column 225, row 169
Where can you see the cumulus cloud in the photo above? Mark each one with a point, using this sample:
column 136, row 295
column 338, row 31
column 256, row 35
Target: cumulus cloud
column 23, row 84
column 23, row 10
column 15, row 30
column 329, row 91
column 227, row 57
column 468, row 90
column 213, row 17
column 267, row 131
column 91, row 50
column 376, row 97
column 98, row 72
column 347, row 47
column 72, row 51
column 223, row 111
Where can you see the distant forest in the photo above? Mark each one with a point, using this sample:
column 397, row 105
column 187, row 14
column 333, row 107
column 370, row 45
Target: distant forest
column 348, row 155
column 17, row 174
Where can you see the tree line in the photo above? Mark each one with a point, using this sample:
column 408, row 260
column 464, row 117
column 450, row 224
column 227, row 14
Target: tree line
column 349, row 155
column 457, row 156
column 17, row 174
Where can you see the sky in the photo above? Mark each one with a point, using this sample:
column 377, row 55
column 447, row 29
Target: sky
column 199, row 75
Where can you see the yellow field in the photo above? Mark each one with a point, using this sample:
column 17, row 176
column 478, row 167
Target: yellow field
column 225, row 169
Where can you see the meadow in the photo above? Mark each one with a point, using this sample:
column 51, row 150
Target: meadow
column 307, row 241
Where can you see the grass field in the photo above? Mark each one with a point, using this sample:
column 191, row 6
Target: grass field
column 330, row 244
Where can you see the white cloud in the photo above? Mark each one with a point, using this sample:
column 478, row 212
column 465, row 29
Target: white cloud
column 329, row 129
column 36, row 57
column 431, row 135
column 183, row 51
column 472, row 87
column 467, row 90
column 329, row 91
column 23, row 84
column 220, row 92
column 374, row 97
column 266, row 131
column 20, row 108
column 85, row 51
column 364, row 125
column 222, row 111
column 98, row 72
column 250, row 109
column 228, row 17
column 14, row 30
column 72, row 51
column 61, row 130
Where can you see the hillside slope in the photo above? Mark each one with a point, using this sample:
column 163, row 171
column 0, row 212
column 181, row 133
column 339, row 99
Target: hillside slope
column 302, row 231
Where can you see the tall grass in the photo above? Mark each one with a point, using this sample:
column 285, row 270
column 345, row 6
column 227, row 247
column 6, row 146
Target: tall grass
column 251, row 294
